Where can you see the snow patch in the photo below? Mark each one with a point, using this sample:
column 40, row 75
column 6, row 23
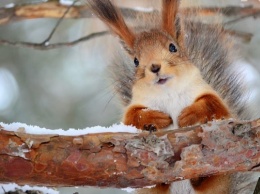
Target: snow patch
column 10, row 5
column 131, row 190
column 21, row 127
column 13, row 187
column 66, row 2
column 144, row 9
column 128, row 190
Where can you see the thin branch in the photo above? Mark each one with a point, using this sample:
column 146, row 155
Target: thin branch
column 254, row 15
column 21, row 4
column 56, row 10
column 129, row 160
column 243, row 36
column 58, row 23
column 44, row 46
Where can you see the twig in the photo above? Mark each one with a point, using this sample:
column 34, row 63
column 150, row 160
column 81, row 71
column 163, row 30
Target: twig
column 254, row 15
column 18, row 4
column 53, row 9
column 57, row 24
column 41, row 46
column 130, row 13
column 243, row 36
column 3, row 189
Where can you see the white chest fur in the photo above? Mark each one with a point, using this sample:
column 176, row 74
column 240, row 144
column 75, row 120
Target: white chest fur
column 172, row 97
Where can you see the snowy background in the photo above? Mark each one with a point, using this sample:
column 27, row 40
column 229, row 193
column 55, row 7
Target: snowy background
column 68, row 87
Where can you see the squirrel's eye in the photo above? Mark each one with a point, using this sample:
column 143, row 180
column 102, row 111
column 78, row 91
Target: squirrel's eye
column 172, row 48
column 136, row 62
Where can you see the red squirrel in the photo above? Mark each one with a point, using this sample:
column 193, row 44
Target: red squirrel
column 175, row 74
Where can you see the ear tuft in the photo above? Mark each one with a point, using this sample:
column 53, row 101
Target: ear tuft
column 170, row 21
column 113, row 18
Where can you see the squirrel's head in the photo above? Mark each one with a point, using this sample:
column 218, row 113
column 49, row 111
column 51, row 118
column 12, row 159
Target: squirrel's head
column 158, row 57
column 158, row 53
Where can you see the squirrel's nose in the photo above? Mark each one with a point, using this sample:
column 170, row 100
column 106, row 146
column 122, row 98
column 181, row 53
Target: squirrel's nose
column 155, row 68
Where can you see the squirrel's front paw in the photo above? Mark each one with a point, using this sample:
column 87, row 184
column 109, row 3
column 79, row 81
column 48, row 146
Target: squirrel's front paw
column 204, row 109
column 145, row 119
column 190, row 116
column 154, row 118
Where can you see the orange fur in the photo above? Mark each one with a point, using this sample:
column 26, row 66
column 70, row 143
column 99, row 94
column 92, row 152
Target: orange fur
column 172, row 23
column 215, row 184
column 169, row 12
column 112, row 16
column 158, row 189
column 204, row 109
column 141, row 118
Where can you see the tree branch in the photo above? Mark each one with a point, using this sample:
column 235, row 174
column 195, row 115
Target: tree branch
column 54, row 9
column 46, row 46
column 58, row 23
column 129, row 160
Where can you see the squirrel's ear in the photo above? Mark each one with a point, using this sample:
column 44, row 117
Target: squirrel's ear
column 170, row 20
column 113, row 18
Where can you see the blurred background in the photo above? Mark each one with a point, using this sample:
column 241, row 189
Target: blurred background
column 68, row 87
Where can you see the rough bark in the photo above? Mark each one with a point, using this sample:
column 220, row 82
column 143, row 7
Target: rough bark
column 129, row 160
column 54, row 9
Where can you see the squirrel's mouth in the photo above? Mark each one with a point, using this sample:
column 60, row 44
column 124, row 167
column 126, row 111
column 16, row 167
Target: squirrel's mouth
column 162, row 80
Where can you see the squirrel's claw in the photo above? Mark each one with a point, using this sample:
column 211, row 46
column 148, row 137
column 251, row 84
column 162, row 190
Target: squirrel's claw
column 150, row 127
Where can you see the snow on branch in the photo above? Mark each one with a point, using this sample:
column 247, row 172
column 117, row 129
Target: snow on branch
column 106, row 157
